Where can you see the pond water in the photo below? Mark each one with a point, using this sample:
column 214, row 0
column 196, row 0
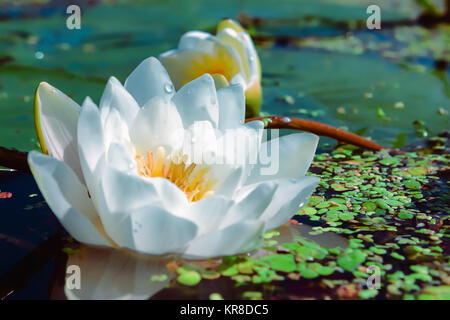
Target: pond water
column 318, row 60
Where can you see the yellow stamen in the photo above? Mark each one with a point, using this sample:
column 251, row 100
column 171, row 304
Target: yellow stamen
column 194, row 182
column 159, row 163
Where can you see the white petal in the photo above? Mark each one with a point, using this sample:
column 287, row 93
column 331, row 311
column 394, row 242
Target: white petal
column 258, row 125
column 153, row 230
column 237, row 238
column 200, row 143
column 115, row 129
column 255, row 124
column 120, row 157
column 150, row 79
column 158, row 123
column 251, row 201
column 229, row 32
column 175, row 62
column 239, row 149
column 124, row 192
column 197, row 40
column 231, row 107
column 229, row 178
column 124, row 195
column 91, row 146
column 197, row 101
column 67, row 198
column 239, row 79
column 208, row 213
column 117, row 97
column 296, row 152
column 287, row 200
column 56, row 117
column 232, row 38
column 252, row 57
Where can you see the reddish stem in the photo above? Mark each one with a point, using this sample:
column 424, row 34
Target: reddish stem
column 321, row 129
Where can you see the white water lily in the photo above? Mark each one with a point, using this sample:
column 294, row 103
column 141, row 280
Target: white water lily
column 116, row 176
column 229, row 56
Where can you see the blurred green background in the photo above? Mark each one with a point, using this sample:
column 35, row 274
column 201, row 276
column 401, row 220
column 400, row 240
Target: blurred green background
column 319, row 60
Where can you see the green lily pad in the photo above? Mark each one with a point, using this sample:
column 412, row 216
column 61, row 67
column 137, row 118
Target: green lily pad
column 281, row 262
column 189, row 278
column 351, row 259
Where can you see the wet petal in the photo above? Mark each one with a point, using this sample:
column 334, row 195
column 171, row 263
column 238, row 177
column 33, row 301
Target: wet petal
column 120, row 157
column 197, row 101
column 149, row 79
column 158, row 123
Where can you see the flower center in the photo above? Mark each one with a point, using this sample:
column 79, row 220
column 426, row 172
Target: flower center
column 193, row 181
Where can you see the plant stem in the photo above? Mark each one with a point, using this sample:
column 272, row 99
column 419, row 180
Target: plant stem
column 321, row 129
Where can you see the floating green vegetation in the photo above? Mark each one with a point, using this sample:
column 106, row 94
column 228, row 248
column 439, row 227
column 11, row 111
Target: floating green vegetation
column 392, row 207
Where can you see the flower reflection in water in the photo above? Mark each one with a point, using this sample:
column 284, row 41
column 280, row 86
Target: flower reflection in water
column 117, row 274
column 123, row 274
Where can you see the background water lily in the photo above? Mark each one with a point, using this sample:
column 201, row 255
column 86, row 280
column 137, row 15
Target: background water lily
column 229, row 56
column 116, row 176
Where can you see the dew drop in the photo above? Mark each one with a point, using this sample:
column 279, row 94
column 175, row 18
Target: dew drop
column 168, row 88
column 39, row 55
column 286, row 119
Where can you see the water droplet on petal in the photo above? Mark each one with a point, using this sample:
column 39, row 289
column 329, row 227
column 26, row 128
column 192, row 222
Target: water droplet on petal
column 168, row 88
